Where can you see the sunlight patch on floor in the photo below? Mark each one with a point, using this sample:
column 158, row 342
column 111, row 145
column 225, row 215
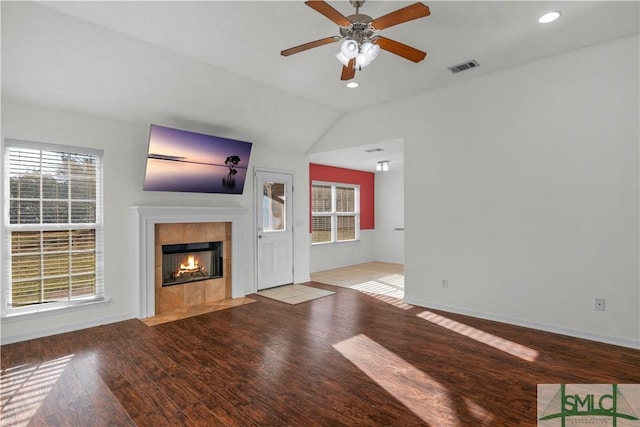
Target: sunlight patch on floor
column 478, row 412
column 391, row 285
column 394, row 301
column 372, row 277
column 417, row 391
column 494, row 341
column 25, row 387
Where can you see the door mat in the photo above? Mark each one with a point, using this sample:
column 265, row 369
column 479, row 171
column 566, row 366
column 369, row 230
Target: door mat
column 294, row 294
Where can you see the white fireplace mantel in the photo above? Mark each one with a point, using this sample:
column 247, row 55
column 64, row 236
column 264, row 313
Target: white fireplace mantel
column 146, row 217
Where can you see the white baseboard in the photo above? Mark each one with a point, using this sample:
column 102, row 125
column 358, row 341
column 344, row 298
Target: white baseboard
column 76, row 326
column 623, row 342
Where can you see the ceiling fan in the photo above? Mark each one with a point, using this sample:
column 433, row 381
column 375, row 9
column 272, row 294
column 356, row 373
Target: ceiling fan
column 361, row 43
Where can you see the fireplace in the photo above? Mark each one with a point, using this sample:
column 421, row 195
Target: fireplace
column 155, row 226
column 191, row 262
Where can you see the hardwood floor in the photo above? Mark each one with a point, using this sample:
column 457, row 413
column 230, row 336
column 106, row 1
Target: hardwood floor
column 341, row 360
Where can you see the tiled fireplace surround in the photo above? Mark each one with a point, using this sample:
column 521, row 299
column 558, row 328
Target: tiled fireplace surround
column 199, row 292
column 158, row 225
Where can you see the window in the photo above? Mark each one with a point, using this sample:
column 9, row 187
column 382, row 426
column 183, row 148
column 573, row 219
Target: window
column 53, row 233
column 335, row 212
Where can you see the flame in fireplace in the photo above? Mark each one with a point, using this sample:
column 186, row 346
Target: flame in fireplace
column 190, row 267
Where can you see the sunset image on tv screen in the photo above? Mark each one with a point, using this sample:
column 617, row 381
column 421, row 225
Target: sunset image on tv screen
column 184, row 161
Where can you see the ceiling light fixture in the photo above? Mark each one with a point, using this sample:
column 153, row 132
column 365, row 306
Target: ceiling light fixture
column 352, row 85
column 360, row 41
column 364, row 53
column 382, row 166
column 549, row 17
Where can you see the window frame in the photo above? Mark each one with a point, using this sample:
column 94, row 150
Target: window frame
column 334, row 214
column 7, row 311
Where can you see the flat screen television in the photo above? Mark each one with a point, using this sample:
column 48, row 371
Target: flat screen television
column 183, row 161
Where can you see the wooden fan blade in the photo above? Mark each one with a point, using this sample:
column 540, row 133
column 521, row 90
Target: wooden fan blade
column 327, row 10
column 349, row 71
column 400, row 49
column 409, row 13
column 309, row 45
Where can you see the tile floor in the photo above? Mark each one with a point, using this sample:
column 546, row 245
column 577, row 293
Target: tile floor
column 294, row 294
column 380, row 280
column 195, row 310
column 374, row 277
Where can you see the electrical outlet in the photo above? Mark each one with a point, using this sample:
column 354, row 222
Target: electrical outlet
column 599, row 304
column 445, row 283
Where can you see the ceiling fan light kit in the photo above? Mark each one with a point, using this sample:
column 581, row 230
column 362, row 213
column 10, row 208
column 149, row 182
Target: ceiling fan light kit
column 349, row 48
column 343, row 59
column 361, row 43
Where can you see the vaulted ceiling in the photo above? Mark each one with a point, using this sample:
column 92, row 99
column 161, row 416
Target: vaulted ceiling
column 215, row 66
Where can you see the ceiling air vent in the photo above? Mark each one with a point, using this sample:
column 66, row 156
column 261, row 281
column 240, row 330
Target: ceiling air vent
column 465, row 66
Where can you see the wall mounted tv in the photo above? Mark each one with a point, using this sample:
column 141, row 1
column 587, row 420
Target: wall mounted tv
column 183, row 161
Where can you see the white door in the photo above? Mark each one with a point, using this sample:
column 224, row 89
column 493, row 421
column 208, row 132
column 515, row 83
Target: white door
column 274, row 225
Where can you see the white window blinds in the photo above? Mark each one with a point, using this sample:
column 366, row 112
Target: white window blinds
column 53, row 233
column 335, row 212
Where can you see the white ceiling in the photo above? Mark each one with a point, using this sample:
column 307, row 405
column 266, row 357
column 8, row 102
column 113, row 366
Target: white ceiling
column 215, row 66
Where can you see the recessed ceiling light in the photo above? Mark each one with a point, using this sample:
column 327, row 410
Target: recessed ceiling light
column 549, row 17
column 352, row 85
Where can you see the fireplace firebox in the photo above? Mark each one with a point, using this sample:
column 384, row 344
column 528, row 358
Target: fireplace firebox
column 191, row 262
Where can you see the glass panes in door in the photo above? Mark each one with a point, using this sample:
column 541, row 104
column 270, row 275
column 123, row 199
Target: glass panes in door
column 273, row 206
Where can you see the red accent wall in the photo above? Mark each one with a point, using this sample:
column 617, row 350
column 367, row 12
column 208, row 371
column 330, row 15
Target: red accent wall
column 366, row 181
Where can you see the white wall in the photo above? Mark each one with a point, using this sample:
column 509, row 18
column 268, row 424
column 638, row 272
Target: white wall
column 389, row 242
column 336, row 255
column 124, row 146
column 524, row 192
